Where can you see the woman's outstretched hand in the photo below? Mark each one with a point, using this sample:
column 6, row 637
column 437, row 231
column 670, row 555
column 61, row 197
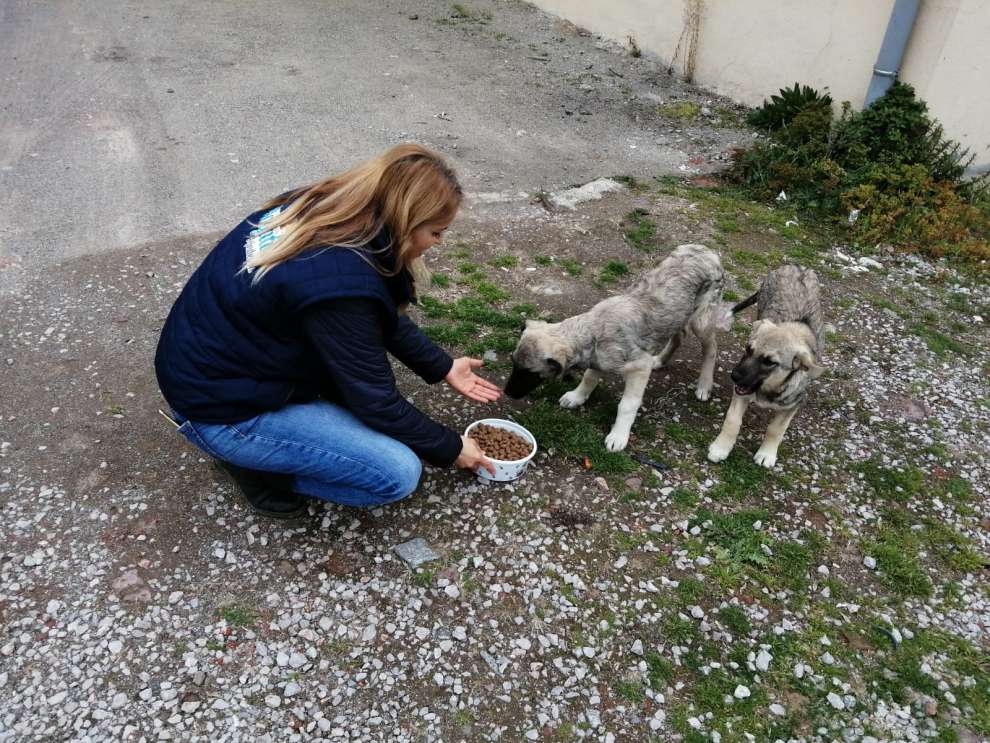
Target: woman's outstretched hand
column 463, row 379
column 472, row 457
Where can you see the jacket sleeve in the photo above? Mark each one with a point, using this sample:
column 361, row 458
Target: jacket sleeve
column 412, row 347
column 348, row 336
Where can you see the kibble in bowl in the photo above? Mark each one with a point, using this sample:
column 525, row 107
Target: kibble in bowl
column 507, row 444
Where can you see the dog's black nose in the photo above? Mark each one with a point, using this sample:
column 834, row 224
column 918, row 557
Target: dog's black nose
column 521, row 382
column 736, row 376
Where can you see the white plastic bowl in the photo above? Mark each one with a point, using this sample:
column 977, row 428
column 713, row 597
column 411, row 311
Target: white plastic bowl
column 505, row 471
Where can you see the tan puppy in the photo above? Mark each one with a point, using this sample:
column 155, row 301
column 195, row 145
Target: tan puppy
column 781, row 359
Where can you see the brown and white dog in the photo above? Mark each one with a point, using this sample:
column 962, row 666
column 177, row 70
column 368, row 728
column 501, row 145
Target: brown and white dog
column 781, row 359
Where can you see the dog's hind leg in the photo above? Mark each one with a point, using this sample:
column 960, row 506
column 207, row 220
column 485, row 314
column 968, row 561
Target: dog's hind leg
column 709, row 346
column 663, row 358
column 719, row 449
column 632, row 397
column 580, row 394
column 767, row 453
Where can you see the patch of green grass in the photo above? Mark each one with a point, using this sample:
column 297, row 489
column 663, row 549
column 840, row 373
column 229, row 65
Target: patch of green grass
column 237, row 615
column 735, row 620
column 756, row 260
column 659, row 671
column 790, row 563
column 632, row 691
column 214, row 645
column 572, row 433
column 727, row 224
column 490, row 292
column 681, row 433
column 463, row 717
column 571, row 267
column 640, row 230
column 740, row 477
column 466, row 267
column 682, row 111
column 734, row 536
column 690, row 590
column 684, row 498
column 898, row 566
column 424, row 577
column 939, row 343
column 898, row 485
column 730, row 296
column 613, row 271
column 441, row 280
column 451, row 335
column 745, row 283
column 543, row 260
column 899, row 674
column 505, row 261
column 951, row 547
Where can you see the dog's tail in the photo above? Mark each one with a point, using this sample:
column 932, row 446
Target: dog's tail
column 748, row 302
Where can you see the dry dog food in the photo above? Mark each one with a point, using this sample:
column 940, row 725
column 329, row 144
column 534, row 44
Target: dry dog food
column 498, row 443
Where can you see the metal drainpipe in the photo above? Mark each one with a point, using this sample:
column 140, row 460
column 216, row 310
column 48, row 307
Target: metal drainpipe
column 895, row 41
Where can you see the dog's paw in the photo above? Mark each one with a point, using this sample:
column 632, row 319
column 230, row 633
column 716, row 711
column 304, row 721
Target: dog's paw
column 616, row 441
column 718, row 450
column 571, row 400
column 703, row 393
column 765, row 458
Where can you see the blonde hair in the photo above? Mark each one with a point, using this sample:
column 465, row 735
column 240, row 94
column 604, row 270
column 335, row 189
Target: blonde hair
column 402, row 189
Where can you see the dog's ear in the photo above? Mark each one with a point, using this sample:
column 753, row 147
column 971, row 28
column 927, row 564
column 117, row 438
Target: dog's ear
column 762, row 324
column 806, row 360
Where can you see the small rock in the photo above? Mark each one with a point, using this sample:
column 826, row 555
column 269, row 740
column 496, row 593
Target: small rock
column 415, row 552
column 637, row 648
column 763, row 660
column 291, row 689
column 273, row 700
column 870, row 562
column 835, row 700
column 778, row 710
column 741, row 692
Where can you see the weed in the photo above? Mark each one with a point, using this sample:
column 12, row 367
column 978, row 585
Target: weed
column 740, row 477
column 424, row 577
column 897, row 485
column 543, row 260
column 939, row 343
column 734, row 535
column 659, row 671
column 237, row 615
column 505, row 261
column 441, row 280
column 735, row 620
column 899, row 569
column 640, row 230
column 684, row 498
column 631, row 691
column 613, row 271
column 683, row 111
column 571, row 267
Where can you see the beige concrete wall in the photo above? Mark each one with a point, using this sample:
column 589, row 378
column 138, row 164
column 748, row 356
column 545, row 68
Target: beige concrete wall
column 748, row 49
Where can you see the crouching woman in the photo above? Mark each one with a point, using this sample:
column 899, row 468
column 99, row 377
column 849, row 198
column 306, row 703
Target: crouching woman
column 274, row 358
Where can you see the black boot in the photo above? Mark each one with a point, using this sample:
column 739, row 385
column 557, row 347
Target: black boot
column 266, row 493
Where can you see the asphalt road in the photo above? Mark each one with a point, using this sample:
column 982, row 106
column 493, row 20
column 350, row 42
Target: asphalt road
column 125, row 124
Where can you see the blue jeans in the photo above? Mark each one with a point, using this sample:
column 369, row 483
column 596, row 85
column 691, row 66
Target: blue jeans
column 332, row 454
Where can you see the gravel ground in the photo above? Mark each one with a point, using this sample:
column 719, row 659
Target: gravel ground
column 842, row 596
column 140, row 600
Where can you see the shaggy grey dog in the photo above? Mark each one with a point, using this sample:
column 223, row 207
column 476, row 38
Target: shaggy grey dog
column 781, row 359
column 629, row 334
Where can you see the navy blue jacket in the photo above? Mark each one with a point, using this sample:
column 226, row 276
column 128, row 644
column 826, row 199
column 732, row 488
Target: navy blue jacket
column 320, row 324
